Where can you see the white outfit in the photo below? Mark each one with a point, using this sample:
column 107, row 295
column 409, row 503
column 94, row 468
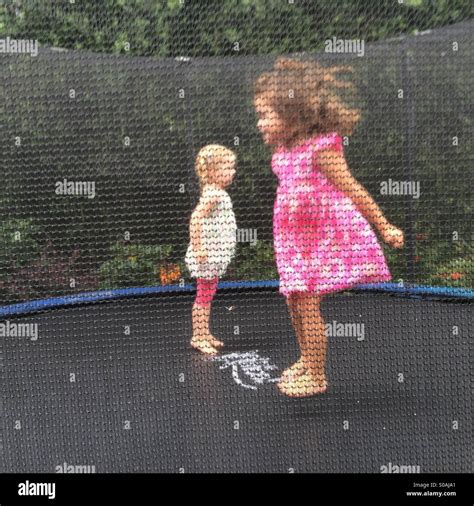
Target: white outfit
column 218, row 238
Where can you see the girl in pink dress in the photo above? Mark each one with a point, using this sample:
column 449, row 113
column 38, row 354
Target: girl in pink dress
column 323, row 238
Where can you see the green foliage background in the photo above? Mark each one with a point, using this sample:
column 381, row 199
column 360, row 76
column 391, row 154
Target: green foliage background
column 211, row 27
column 121, row 59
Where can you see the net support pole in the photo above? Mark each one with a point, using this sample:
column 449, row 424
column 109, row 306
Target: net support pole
column 188, row 119
column 409, row 154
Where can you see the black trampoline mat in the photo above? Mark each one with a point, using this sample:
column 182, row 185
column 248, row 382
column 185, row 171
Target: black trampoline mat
column 143, row 401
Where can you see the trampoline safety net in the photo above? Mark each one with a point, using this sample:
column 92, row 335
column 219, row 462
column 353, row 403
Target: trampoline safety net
column 236, row 236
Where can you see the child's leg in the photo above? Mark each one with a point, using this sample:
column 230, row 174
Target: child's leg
column 314, row 329
column 313, row 350
column 298, row 367
column 204, row 297
column 202, row 338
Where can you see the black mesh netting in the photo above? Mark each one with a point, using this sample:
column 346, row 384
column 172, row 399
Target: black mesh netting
column 99, row 133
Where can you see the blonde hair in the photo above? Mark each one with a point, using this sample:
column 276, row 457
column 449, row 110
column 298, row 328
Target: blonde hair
column 208, row 159
column 303, row 94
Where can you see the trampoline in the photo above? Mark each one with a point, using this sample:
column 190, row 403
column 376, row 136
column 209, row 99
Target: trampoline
column 144, row 402
column 95, row 301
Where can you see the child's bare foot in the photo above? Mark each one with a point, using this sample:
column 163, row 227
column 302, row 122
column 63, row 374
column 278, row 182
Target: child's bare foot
column 204, row 346
column 215, row 342
column 304, row 385
column 297, row 369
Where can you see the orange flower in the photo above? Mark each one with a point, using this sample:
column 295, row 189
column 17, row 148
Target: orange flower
column 169, row 273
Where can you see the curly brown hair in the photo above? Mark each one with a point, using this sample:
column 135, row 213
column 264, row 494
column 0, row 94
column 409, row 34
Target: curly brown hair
column 303, row 94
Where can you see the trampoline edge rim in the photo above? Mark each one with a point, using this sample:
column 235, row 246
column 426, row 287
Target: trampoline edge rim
column 102, row 295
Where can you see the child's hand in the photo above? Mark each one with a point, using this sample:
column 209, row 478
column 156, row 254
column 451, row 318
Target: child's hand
column 201, row 256
column 393, row 236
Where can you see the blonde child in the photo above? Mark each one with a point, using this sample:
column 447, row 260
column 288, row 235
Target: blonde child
column 322, row 219
column 212, row 238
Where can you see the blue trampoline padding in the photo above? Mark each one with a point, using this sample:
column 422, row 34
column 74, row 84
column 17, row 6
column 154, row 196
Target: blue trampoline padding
column 87, row 297
column 409, row 290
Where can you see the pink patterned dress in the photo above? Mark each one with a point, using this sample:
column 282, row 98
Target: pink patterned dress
column 322, row 242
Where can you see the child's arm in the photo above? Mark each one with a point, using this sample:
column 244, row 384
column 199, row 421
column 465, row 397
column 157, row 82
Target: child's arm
column 203, row 210
column 335, row 168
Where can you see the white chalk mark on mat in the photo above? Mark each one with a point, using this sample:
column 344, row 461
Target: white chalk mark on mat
column 250, row 365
